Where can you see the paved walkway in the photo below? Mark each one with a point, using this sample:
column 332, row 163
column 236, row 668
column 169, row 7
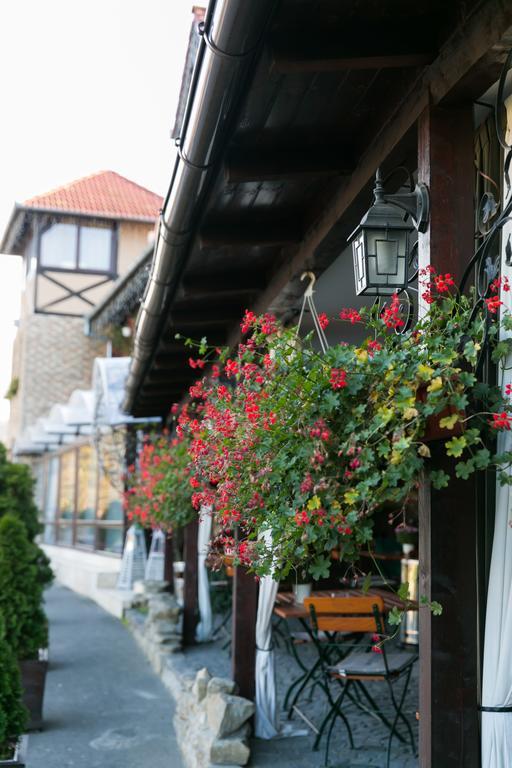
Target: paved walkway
column 104, row 707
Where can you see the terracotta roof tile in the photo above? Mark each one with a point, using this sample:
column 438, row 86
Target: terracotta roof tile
column 105, row 194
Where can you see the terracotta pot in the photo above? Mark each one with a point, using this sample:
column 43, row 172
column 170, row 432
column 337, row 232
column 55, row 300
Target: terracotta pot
column 20, row 755
column 33, row 677
column 433, row 430
column 228, row 566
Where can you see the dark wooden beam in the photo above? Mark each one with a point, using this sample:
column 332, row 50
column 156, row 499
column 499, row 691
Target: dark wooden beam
column 243, row 650
column 449, row 727
column 256, row 229
column 176, row 376
column 461, row 61
column 287, row 63
column 169, row 562
column 281, row 161
column 232, row 283
column 190, row 609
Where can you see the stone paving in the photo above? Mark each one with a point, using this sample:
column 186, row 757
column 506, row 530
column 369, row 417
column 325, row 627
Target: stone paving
column 104, row 707
column 370, row 736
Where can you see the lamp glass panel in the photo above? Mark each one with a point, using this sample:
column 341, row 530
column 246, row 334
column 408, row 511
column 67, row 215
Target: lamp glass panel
column 386, row 256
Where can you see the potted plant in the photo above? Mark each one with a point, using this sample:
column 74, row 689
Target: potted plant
column 21, row 599
column 407, row 536
column 13, row 715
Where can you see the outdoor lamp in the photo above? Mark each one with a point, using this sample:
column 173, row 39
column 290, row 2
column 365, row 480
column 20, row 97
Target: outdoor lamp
column 381, row 242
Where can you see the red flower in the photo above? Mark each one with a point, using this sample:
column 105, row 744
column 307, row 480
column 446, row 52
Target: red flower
column 231, row 368
column 248, row 321
column 338, row 378
column 493, row 304
column 350, row 314
column 500, row 282
column 501, row 421
column 196, row 363
column 373, row 346
column 508, row 391
column 443, row 283
column 391, row 315
column 323, row 320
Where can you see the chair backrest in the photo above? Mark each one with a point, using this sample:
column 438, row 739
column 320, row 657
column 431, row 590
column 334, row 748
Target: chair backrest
column 345, row 614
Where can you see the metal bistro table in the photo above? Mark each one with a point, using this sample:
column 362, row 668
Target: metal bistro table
column 286, row 608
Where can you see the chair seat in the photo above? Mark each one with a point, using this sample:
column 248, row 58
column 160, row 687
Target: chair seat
column 305, row 637
column 362, row 664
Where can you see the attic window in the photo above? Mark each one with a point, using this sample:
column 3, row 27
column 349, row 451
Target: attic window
column 78, row 247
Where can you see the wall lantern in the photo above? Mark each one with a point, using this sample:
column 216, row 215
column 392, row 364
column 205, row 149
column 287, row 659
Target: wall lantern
column 381, row 242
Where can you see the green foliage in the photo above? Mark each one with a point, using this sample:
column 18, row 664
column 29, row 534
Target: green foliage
column 17, row 493
column 12, row 390
column 13, row 715
column 21, row 590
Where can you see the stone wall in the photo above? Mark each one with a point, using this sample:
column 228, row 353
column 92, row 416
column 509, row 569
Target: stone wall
column 211, row 721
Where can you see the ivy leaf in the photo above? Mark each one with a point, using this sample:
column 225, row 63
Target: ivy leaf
column 448, row 422
column 366, row 583
column 433, row 605
column 320, row 568
column 395, row 616
column 314, row 503
column 403, row 591
column 482, row 458
column 439, row 479
column 203, row 346
column 464, row 469
column 455, row 446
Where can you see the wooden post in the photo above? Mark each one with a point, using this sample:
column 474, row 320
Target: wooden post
column 190, row 588
column 243, row 652
column 449, row 729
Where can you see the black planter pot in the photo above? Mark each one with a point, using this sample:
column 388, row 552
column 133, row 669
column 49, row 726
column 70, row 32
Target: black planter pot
column 20, row 756
column 33, row 676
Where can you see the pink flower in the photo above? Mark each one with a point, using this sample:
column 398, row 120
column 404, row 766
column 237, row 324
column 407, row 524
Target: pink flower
column 338, row 378
column 391, row 315
column 352, row 315
column 323, row 320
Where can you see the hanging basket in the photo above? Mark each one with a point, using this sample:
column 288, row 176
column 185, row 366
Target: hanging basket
column 433, row 429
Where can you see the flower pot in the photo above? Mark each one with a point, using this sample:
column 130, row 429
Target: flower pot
column 407, row 549
column 20, row 755
column 433, row 430
column 301, row 591
column 33, row 676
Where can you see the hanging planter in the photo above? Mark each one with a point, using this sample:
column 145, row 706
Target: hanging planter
column 433, row 429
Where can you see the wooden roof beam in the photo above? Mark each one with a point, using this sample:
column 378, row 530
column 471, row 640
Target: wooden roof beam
column 222, row 284
column 260, row 163
column 287, row 63
column 256, row 229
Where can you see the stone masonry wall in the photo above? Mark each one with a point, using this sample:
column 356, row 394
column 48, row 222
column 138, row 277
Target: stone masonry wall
column 55, row 358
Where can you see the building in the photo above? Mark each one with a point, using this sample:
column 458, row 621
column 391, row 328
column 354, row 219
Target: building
column 292, row 108
column 74, row 241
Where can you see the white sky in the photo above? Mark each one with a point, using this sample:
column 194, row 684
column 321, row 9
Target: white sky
column 85, row 87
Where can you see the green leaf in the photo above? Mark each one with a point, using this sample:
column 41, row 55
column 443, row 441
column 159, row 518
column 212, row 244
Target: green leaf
column 439, row 479
column 464, row 469
column 366, row 583
column 448, row 422
column 395, row 617
column 455, row 446
column 320, row 568
column 403, row 591
column 482, row 458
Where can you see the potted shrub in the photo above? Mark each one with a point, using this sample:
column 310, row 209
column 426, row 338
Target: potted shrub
column 13, row 715
column 21, row 599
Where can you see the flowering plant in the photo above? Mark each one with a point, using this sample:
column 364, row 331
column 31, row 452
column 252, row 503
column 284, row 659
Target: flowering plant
column 158, row 491
column 297, row 450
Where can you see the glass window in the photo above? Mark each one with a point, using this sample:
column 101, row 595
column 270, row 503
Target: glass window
column 67, row 486
column 87, row 483
column 95, row 251
column 58, row 246
column 110, row 539
column 49, row 536
column 65, row 534
column 52, row 485
column 110, row 505
column 85, row 535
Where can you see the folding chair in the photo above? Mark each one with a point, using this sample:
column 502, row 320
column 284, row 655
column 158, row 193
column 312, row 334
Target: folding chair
column 363, row 616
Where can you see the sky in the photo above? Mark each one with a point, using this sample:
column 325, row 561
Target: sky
column 85, row 87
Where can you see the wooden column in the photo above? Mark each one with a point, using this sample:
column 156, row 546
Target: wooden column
column 190, row 587
column 243, row 652
column 449, row 724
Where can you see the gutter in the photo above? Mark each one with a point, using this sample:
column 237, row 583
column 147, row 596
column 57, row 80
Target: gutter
column 232, row 34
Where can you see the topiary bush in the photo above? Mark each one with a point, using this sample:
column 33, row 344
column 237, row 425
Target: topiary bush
column 21, row 590
column 13, row 715
column 17, row 493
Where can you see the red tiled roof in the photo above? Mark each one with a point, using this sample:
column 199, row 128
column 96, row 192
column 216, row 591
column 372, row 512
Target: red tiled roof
column 105, row 194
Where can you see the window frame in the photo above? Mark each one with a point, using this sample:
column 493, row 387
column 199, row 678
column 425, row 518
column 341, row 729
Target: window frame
column 80, row 223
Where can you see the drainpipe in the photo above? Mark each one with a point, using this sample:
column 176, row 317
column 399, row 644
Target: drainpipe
column 232, row 33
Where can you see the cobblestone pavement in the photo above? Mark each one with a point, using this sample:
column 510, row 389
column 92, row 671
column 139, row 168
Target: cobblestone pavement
column 104, row 707
column 370, row 736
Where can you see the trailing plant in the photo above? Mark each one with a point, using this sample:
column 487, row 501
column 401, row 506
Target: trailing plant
column 158, row 492
column 13, row 715
column 21, row 590
column 297, row 451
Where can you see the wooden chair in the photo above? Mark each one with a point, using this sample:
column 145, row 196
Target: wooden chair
column 360, row 616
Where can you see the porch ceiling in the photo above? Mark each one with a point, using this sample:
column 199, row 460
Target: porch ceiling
column 331, row 95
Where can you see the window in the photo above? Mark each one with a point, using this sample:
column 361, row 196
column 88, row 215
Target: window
column 83, row 503
column 78, row 247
